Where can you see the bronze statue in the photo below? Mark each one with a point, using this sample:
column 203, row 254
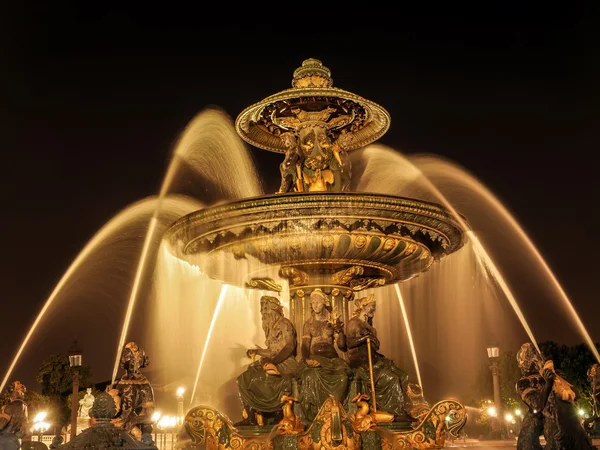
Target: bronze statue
column 133, row 394
column 389, row 382
column 14, row 424
column 291, row 167
column 550, row 401
column 315, row 160
column 266, row 381
column 324, row 373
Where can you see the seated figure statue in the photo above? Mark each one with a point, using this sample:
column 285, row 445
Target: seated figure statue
column 324, row 373
column 264, row 384
column 390, row 381
column 550, row 401
column 133, row 394
column 14, row 424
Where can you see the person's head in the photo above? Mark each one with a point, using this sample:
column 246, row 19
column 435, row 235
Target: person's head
column 318, row 301
column 365, row 306
column 528, row 359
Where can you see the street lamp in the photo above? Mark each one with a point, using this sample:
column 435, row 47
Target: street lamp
column 180, row 392
column 75, row 361
column 493, row 354
column 40, row 425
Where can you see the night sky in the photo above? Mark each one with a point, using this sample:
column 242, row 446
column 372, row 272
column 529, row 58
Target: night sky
column 91, row 102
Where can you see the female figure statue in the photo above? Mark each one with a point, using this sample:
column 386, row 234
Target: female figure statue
column 324, row 373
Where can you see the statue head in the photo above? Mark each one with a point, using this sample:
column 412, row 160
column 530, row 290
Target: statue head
column 289, row 140
column 16, row 390
column 366, row 305
column 88, row 390
column 528, row 359
column 270, row 307
column 318, row 301
column 133, row 358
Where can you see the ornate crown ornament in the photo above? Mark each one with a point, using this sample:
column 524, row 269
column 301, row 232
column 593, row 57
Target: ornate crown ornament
column 312, row 101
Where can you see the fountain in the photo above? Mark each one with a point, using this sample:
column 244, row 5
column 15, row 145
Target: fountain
column 351, row 219
column 313, row 239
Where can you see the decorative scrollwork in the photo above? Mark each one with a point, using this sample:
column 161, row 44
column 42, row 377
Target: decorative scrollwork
column 267, row 284
column 343, row 277
column 297, row 277
column 446, row 416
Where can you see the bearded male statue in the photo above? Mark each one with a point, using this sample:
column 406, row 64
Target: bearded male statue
column 266, row 380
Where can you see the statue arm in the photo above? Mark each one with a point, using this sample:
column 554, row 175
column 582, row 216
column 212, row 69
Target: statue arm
column 340, row 341
column 357, row 336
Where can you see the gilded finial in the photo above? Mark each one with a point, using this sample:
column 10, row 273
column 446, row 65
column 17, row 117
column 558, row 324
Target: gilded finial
column 312, row 73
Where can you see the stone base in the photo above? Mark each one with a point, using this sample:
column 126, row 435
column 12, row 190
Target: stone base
column 83, row 423
column 207, row 429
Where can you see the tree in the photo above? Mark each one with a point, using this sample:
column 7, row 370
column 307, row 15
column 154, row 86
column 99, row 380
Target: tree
column 572, row 363
column 508, row 375
column 56, row 379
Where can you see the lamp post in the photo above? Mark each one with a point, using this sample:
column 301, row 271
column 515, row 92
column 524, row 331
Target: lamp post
column 493, row 354
column 180, row 392
column 75, row 360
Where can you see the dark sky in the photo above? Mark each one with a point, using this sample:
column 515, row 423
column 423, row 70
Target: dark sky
column 91, row 102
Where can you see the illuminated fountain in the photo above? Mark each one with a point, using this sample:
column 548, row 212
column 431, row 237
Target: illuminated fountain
column 314, row 235
column 351, row 218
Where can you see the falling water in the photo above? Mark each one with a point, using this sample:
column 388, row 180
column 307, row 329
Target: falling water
column 210, row 146
column 207, row 339
column 113, row 244
column 410, row 337
column 200, row 332
column 377, row 175
column 445, row 173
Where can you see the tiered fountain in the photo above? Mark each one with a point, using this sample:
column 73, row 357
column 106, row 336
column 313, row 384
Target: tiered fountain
column 315, row 234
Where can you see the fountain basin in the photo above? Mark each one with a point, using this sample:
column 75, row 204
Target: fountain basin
column 362, row 236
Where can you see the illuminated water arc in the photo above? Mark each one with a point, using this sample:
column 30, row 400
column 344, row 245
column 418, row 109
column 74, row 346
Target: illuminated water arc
column 487, row 263
column 141, row 268
column 91, row 246
column 207, row 341
column 482, row 257
column 138, row 275
column 532, row 248
column 410, row 337
column 33, row 327
column 197, row 144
